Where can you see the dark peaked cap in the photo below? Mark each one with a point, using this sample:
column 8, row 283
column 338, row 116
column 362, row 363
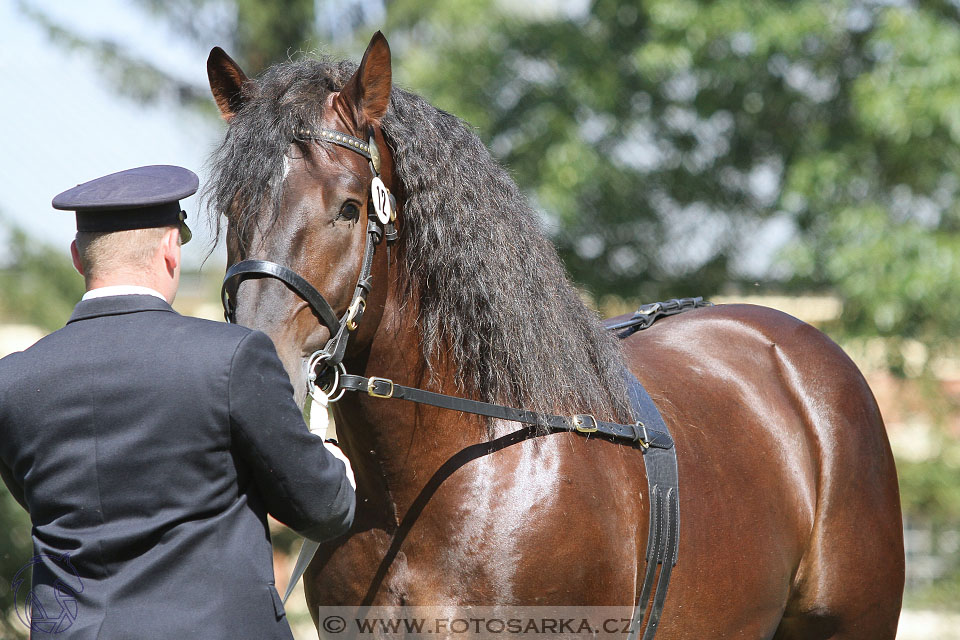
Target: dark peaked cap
column 138, row 198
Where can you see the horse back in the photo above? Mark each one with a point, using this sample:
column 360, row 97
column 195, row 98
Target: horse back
column 754, row 376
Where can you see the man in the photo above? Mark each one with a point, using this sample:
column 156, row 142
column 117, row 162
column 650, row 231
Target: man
column 148, row 447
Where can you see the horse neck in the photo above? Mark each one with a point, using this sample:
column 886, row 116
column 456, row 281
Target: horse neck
column 396, row 445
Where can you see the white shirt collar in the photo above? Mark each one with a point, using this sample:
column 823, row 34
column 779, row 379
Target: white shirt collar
column 121, row 290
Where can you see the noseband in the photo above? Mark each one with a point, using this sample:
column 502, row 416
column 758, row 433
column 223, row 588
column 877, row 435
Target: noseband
column 381, row 222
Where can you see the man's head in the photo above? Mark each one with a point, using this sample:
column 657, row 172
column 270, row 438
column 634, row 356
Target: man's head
column 130, row 227
column 146, row 257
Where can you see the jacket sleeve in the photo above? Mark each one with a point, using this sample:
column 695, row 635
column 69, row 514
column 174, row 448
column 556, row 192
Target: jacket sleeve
column 303, row 485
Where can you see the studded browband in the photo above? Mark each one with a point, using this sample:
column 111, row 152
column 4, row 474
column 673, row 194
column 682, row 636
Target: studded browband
column 368, row 151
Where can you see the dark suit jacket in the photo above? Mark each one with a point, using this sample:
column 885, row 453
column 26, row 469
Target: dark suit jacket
column 149, row 447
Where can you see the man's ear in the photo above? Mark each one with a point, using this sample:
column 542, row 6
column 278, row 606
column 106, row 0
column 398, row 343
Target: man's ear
column 226, row 82
column 366, row 95
column 170, row 248
column 75, row 254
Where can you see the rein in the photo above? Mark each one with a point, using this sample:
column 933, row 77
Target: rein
column 650, row 432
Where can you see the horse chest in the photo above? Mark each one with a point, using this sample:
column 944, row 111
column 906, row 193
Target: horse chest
column 491, row 536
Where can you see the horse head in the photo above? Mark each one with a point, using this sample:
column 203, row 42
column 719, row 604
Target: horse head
column 324, row 190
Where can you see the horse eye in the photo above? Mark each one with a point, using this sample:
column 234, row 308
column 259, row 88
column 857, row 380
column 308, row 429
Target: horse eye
column 349, row 211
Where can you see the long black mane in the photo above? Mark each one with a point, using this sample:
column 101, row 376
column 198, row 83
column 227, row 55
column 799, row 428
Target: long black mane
column 493, row 296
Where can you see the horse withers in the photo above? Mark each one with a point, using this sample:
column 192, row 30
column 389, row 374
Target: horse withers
column 790, row 513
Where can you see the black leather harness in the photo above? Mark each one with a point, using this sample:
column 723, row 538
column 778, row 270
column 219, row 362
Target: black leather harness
column 649, row 431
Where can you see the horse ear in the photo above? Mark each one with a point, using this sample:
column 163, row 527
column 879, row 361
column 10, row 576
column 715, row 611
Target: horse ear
column 367, row 94
column 226, row 81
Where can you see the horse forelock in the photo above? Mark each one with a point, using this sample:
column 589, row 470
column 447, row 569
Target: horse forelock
column 493, row 297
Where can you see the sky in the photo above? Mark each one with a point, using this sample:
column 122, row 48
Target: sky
column 61, row 123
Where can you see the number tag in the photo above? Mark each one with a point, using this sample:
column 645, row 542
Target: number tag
column 381, row 200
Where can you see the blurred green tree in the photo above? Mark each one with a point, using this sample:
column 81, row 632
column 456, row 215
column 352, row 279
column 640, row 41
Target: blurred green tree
column 16, row 549
column 38, row 284
column 255, row 33
column 677, row 147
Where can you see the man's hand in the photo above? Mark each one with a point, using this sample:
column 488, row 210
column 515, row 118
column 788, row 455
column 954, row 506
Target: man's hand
column 338, row 453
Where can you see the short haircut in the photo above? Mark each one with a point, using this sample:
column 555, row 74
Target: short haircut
column 104, row 252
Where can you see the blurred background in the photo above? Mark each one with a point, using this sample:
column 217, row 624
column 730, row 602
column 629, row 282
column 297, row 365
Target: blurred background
column 803, row 155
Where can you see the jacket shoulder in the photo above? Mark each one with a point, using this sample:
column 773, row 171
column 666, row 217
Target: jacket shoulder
column 205, row 335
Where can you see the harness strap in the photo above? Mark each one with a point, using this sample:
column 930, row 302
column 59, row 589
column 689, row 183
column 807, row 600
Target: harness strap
column 659, row 457
column 663, row 534
column 339, row 328
column 344, row 140
column 647, row 314
column 641, row 434
column 337, row 345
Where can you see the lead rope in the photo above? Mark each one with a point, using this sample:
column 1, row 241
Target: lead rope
column 319, row 423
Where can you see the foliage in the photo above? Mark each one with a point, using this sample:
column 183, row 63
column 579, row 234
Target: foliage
column 930, row 488
column 16, row 549
column 671, row 143
column 38, row 284
column 931, row 499
column 655, row 137
column 256, row 33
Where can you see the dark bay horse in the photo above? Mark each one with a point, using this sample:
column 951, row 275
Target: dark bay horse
column 791, row 525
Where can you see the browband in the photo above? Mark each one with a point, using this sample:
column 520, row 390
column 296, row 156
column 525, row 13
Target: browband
column 344, row 140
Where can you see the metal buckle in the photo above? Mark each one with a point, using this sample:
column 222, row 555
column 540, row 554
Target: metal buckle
column 373, row 392
column 645, row 440
column 374, row 154
column 354, row 311
column 581, row 424
column 649, row 309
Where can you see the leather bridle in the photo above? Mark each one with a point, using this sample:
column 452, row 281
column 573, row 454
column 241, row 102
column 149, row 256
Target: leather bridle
column 381, row 223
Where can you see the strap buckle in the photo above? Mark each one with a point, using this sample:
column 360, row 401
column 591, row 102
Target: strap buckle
column 371, row 387
column 644, row 440
column 585, row 423
column 649, row 309
column 357, row 307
